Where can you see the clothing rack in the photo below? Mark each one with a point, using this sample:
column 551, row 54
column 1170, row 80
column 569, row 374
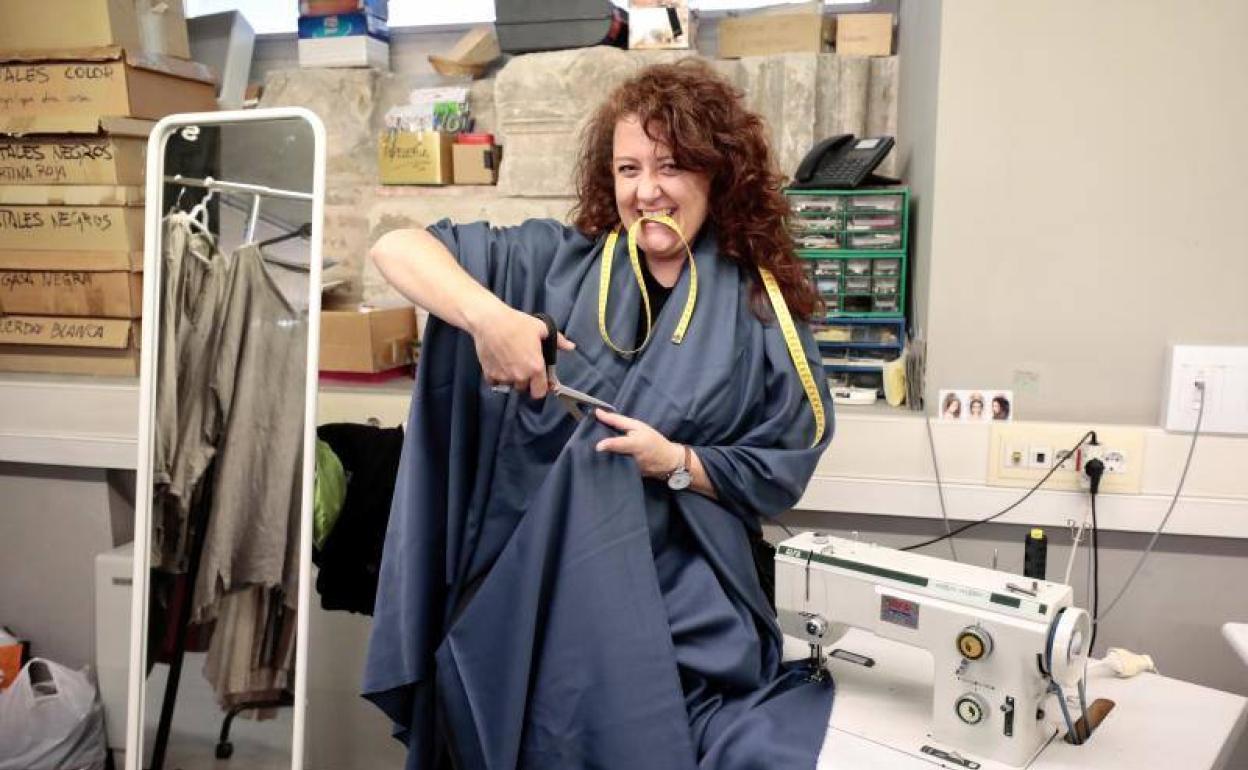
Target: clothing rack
column 257, row 191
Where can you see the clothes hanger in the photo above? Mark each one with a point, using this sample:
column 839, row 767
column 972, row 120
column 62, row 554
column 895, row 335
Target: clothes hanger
column 302, row 231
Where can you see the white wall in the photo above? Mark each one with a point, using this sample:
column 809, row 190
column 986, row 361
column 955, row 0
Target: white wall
column 917, row 107
column 53, row 523
column 1088, row 198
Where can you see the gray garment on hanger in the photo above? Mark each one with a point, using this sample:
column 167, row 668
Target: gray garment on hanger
column 256, row 408
column 194, row 279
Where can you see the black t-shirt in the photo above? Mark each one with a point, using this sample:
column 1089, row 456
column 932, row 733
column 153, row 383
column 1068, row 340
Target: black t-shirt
column 658, row 298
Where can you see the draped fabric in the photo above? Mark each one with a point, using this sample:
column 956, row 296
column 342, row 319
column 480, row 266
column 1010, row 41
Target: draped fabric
column 543, row 606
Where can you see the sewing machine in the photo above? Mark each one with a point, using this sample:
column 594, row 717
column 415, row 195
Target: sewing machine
column 1006, row 650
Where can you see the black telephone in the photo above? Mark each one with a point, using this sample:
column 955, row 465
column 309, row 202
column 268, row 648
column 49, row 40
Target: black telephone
column 842, row 162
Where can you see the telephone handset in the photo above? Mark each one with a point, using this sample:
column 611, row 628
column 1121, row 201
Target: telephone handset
column 841, row 162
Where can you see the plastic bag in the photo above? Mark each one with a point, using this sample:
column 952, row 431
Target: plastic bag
column 51, row 719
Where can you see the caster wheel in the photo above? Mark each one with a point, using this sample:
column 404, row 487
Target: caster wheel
column 225, row 750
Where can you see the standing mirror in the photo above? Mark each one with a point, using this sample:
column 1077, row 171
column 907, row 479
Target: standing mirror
column 226, row 440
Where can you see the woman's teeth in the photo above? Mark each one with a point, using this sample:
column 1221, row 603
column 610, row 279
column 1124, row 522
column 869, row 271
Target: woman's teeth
column 656, row 212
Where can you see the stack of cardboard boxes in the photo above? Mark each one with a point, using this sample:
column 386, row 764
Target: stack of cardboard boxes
column 78, row 97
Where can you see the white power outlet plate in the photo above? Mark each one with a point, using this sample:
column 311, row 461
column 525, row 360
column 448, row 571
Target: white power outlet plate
column 1224, row 370
column 1016, row 449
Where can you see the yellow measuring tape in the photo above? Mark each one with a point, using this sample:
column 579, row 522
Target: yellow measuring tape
column 604, row 284
column 795, row 350
column 787, row 329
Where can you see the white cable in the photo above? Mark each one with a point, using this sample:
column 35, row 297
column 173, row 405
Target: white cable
column 1074, row 546
column 1191, row 449
column 940, row 489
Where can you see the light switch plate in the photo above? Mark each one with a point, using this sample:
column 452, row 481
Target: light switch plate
column 1224, row 370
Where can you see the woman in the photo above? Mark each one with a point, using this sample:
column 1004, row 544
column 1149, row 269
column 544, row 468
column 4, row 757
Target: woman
column 563, row 594
column 952, row 406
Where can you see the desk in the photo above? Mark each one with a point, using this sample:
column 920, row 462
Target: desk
column 1237, row 635
column 1157, row 722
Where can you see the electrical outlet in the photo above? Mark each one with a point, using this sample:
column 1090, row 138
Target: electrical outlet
column 1115, row 461
column 1224, row 372
column 1022, row 453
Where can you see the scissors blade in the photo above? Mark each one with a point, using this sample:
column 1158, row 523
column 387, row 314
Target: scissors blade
column 564, row 392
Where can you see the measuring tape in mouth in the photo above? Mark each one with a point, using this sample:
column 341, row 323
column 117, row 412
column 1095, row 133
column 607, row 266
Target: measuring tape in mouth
column 783, row 317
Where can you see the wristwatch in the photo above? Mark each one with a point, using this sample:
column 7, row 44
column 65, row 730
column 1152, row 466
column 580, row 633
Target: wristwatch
column 681, row 478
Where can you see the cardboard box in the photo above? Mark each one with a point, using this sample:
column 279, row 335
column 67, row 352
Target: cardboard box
column 60, row 260
column 162, row 27
column 763, row 34
column 72, row 90
column 366, row 340
column 656, row 25
column 105, row 362
column 85, row 160
column 112, row 333
column 415, row 157
column 71, row 195
column 352, row 51
column 71, row 228
column 71, row 293
column 343, row 25
column 59, row 24
column 332, row 7
column 475, row 163
column 864, row 34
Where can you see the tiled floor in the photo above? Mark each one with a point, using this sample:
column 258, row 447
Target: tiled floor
column 197, row 722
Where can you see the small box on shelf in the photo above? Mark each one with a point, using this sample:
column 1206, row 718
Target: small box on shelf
column 366, row 340
column 416, row 157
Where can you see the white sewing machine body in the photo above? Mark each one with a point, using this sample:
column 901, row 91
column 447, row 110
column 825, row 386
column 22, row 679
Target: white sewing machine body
column 997, row 640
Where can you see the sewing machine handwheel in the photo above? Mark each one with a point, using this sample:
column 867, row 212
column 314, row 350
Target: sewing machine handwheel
column 974, row 643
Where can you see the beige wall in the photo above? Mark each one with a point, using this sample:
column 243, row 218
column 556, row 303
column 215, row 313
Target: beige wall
column 917, row 107
column 1088, row 199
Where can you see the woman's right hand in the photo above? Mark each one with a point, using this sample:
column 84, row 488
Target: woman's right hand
column 509, row 346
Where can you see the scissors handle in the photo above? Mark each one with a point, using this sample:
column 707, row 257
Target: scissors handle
column 550, row 345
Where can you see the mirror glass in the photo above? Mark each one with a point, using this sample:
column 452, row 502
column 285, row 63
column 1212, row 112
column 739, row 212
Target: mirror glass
column 223, row 407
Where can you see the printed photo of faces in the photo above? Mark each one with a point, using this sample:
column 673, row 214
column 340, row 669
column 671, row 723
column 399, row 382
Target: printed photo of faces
column 977, row 405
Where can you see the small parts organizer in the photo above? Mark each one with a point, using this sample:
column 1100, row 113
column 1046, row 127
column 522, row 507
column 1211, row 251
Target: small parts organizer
column 854, row 245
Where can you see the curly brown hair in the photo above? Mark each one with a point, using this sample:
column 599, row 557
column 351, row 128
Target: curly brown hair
column 701, row 117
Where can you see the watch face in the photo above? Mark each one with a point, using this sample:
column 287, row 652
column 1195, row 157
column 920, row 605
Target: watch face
column 679, row 480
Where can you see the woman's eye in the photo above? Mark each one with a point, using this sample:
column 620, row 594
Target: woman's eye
column 669, row 168
column 625, row 169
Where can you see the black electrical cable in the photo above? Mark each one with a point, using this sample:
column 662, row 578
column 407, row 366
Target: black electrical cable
column 1095, row 469
column 959, row 530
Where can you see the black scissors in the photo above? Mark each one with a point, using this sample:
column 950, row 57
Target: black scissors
column 573, row 400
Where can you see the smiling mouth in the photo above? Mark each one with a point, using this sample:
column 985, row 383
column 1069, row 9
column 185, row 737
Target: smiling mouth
column 656, row 212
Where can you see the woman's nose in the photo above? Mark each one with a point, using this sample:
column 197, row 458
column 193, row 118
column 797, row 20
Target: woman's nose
column 648, row 188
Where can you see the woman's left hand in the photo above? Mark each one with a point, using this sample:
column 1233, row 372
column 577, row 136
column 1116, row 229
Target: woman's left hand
column 655, row 455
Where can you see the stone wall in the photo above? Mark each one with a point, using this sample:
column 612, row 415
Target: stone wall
column 536, row 105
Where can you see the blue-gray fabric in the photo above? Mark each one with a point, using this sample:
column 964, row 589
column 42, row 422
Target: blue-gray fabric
column 543, row 606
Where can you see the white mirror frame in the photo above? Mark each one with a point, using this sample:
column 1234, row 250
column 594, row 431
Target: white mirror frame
column 135, row 715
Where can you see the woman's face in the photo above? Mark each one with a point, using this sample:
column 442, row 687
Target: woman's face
column 953, row 408
column 647, row 180
column 977, row 408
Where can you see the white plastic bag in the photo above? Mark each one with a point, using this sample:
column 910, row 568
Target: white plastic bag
column 51, row 719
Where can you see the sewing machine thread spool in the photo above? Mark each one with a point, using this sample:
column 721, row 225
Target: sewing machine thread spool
column 1035, row 554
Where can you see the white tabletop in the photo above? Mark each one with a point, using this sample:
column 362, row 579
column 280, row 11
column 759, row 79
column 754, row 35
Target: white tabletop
column 1157, row 722
column 1237, row 635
